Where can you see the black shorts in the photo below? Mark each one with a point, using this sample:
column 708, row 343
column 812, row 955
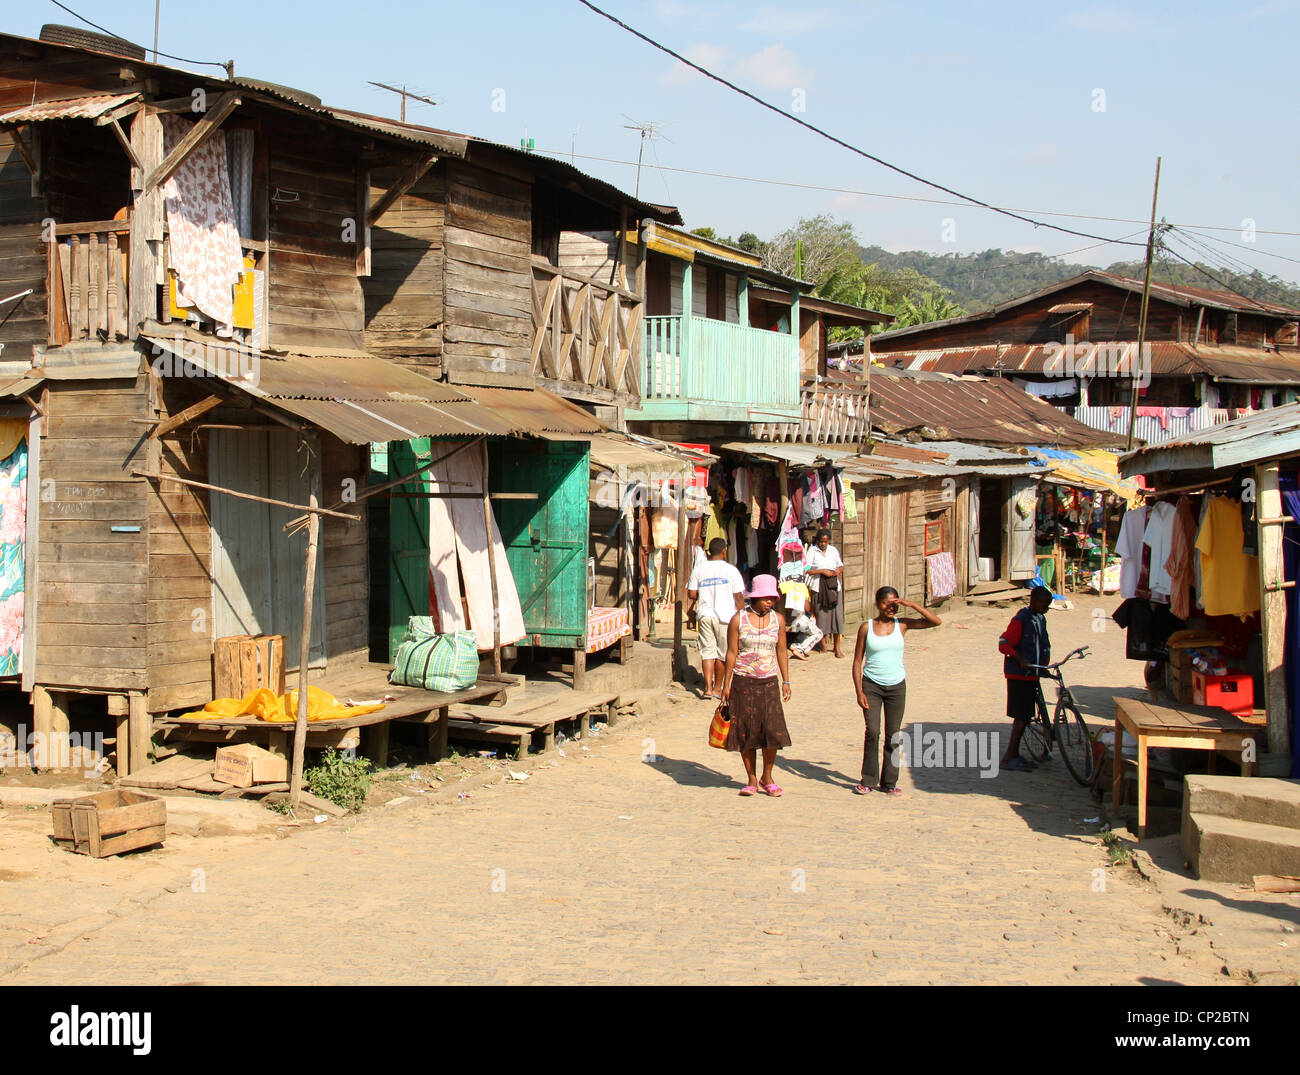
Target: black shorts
column 1022, row 699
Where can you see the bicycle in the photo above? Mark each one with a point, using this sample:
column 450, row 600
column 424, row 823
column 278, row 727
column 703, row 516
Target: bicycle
column 1067, row 728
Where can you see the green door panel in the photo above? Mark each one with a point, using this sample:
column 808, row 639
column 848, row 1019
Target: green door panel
column 545, row 539
column 407, row 524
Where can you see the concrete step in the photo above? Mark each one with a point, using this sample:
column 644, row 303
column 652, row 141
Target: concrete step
column 1228, row 849
column 1263, row 800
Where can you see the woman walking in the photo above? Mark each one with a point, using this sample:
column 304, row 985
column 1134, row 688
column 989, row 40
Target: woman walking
column 756, row 655
column 823, row 568
column 881, row 683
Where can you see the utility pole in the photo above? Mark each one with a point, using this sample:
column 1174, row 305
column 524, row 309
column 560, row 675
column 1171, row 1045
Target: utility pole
column 1135, row 366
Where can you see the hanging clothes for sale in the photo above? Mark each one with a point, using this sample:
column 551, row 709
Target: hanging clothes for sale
column 740, row 487
column 850, row 504
column 1129, row 548
column 753, row 504
column 771, row 500
column 713, row 526
column 1182, row 550
column 814, row 499
column 1159, row 532
column 1230, row 576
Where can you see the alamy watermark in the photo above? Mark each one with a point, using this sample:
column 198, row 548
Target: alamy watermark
column 55, row 750
column 230, row 360
column 916, row 748
column 1071, row 359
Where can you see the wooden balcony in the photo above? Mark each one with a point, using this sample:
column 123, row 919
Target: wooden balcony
column 699, row 369
column 87, row 282
column 831, row 413
column 586, row 336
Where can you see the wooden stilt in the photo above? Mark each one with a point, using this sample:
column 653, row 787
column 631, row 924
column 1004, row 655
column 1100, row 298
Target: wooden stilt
column 304, row 653
column 139, row 731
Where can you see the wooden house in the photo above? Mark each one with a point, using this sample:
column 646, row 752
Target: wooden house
column 385, row 297
column 1209, row 354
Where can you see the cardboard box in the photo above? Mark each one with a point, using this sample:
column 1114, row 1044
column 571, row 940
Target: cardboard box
column 246, row 764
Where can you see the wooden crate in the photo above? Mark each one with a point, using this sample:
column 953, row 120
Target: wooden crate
column 243, row 663
column 109, row 823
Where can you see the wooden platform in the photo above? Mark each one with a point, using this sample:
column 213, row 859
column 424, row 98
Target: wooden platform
column 532, row 724
column 363, row 683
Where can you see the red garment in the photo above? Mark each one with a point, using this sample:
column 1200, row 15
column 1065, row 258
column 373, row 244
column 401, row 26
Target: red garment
column 1009, row 640
column 796, row 501
column 771, row 501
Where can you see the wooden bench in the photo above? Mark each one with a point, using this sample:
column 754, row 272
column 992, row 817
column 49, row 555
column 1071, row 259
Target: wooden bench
column 522, row 726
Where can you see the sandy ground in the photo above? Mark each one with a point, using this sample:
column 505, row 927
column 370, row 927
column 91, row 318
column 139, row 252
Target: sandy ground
column 631, row 858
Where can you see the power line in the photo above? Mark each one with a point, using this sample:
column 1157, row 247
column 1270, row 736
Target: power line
column 1093, row 246
column 838, row 141
column 1210, row 276
column 1251, row 249
column 921, row 198
column 228, row 66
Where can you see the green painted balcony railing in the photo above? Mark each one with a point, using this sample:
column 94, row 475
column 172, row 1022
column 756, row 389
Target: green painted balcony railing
column 721, row 363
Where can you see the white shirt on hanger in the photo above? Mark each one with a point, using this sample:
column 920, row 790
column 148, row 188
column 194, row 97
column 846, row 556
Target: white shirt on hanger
column 1158, row 535
column 1129, row 548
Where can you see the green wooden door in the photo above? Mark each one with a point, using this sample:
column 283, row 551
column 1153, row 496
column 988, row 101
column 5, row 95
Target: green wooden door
column 404, row 590
column 546, row 538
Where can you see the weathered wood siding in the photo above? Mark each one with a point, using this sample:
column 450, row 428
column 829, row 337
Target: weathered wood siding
column 22, row 255
column 92, row 583
column 314, row 295
column 180, row 627
column 928, row 502
column 488, row 328
column 404, row 291
column 883, row 511
column 344, row 556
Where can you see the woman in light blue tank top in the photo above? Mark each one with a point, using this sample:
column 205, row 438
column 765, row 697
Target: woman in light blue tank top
column 881, row 684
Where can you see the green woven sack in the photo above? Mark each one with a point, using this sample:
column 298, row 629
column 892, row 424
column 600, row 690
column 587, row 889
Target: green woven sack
column 435, row 662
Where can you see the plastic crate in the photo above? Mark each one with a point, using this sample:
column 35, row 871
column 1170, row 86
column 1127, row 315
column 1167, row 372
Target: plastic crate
column 1234, row 692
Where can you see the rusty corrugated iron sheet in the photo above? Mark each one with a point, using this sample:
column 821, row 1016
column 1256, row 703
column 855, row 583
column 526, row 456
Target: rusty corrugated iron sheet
column 980, row 410
column 536, row 411
column 88, row 107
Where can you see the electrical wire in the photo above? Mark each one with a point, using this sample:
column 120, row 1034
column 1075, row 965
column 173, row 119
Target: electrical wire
column 966, row 198
column 1243, row 246
column 1210, row 276
column 156, row 52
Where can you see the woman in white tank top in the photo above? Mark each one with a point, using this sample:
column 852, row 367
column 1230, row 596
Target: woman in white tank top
column 881, row 684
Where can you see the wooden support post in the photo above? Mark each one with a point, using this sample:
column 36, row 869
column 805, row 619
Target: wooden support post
column 42, row 720
column 492, row 567
column 1105, row 515
column 684, row 560
column 140, row 732
column 438, row 734
column 783, row 484
column 1272, row 604
column 579, row 668
column 146, row 224
column 304, row 652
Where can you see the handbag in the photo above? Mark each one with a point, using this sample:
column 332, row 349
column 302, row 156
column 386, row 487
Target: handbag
column 719, row 726
column 828, row 592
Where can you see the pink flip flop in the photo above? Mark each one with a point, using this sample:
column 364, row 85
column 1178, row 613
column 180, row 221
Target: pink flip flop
column 749, row 789
column 774, row 790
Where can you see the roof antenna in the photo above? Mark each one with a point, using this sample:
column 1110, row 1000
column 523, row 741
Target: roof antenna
column 649, row 132
column 405, row 93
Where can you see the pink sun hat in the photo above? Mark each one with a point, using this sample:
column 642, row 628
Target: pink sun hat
column 763, row 586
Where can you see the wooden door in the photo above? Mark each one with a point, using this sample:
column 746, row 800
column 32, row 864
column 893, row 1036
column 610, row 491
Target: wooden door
column 258, row 571
column 1020, row 527
column 886, row 543
column 973, row 533
column 400, row 541
column 545, row 539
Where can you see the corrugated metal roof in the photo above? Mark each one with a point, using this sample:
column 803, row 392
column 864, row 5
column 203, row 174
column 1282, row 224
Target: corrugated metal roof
column 535, row 411
column 360, row 400
column 1268, row 434
column 88, row 107
column 978, row 410
column 644, row 456
column 886, row 465
column 20, row 386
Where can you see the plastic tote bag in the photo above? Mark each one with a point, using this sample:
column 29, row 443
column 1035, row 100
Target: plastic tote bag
column 435, row 662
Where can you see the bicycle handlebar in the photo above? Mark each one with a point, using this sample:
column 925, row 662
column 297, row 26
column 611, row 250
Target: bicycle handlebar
column 1082, row 651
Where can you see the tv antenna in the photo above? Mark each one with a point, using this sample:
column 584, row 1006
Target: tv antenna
column 404, row 93
column 649, row 132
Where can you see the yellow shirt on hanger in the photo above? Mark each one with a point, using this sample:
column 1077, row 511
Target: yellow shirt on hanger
column 1230, row 578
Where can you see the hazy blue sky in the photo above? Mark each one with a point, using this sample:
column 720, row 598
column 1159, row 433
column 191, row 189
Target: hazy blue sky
column 1002, row 100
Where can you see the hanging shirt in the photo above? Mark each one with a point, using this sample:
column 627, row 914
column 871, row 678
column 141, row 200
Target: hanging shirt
column 1196, row 559
column 1231, row 577
column 755, row 508
column 741, row 485
column 1129, row 547
column 1159, row 531
column 850, row 504
column 713, row 527
column 771, row 501
column 796, row 595
column 814, row 499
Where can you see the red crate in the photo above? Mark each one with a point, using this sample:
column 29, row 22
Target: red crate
column 1234, row 692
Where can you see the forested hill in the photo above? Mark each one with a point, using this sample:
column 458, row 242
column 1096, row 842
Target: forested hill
column 978, row 281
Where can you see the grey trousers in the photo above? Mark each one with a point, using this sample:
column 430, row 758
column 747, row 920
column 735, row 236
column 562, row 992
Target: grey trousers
column 890, row 701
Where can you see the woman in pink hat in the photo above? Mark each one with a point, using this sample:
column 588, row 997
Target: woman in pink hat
column 756, row 657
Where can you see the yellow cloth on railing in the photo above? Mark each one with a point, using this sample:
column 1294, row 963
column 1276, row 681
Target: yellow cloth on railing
column 264, row 704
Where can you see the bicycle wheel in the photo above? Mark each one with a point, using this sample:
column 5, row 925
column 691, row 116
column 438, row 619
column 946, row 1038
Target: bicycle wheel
column 1075, row 743
column 1036, row 743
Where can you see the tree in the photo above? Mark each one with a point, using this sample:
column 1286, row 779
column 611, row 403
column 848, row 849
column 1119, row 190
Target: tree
column 828, row 246
column 751, row 243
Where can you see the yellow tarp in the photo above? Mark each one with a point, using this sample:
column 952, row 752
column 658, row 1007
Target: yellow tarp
column 264, row 704
column 1091, row 468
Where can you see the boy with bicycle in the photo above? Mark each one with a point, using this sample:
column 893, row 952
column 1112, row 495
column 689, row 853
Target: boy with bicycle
column 1026, row 649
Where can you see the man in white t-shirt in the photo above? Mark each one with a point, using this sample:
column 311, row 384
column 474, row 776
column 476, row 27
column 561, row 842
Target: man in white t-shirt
column 719, row 593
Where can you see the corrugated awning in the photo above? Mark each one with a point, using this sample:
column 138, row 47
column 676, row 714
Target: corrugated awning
column 643, row 456
column 534, row 411
column 69, row 108
column 14, row 388
column 360, row 400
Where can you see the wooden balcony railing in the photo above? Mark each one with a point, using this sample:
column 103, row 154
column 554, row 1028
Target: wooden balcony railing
column 88, row 281
column 831, row 414
column 586, row 335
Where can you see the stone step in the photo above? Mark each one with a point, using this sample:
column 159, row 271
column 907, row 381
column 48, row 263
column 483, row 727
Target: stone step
column 1228, row 849
column 1263, row 800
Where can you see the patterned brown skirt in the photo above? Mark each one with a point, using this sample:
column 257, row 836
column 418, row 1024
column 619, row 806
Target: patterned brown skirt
column 757, row 718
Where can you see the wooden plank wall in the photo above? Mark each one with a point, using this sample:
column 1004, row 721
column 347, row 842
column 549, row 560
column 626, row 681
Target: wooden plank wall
column 927, row 502
column 22, row 254
column 180, row 626
column 92, row 583
column 846, row 535
column 608, row 554
column 314, row 294
column 884, row 512
column 488, row 330
column 403, row 293
column 344, row 554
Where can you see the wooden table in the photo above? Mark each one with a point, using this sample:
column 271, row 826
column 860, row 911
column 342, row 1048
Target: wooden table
column 1181, row 727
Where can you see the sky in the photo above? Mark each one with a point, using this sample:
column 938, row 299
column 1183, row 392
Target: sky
column 1042, row 108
